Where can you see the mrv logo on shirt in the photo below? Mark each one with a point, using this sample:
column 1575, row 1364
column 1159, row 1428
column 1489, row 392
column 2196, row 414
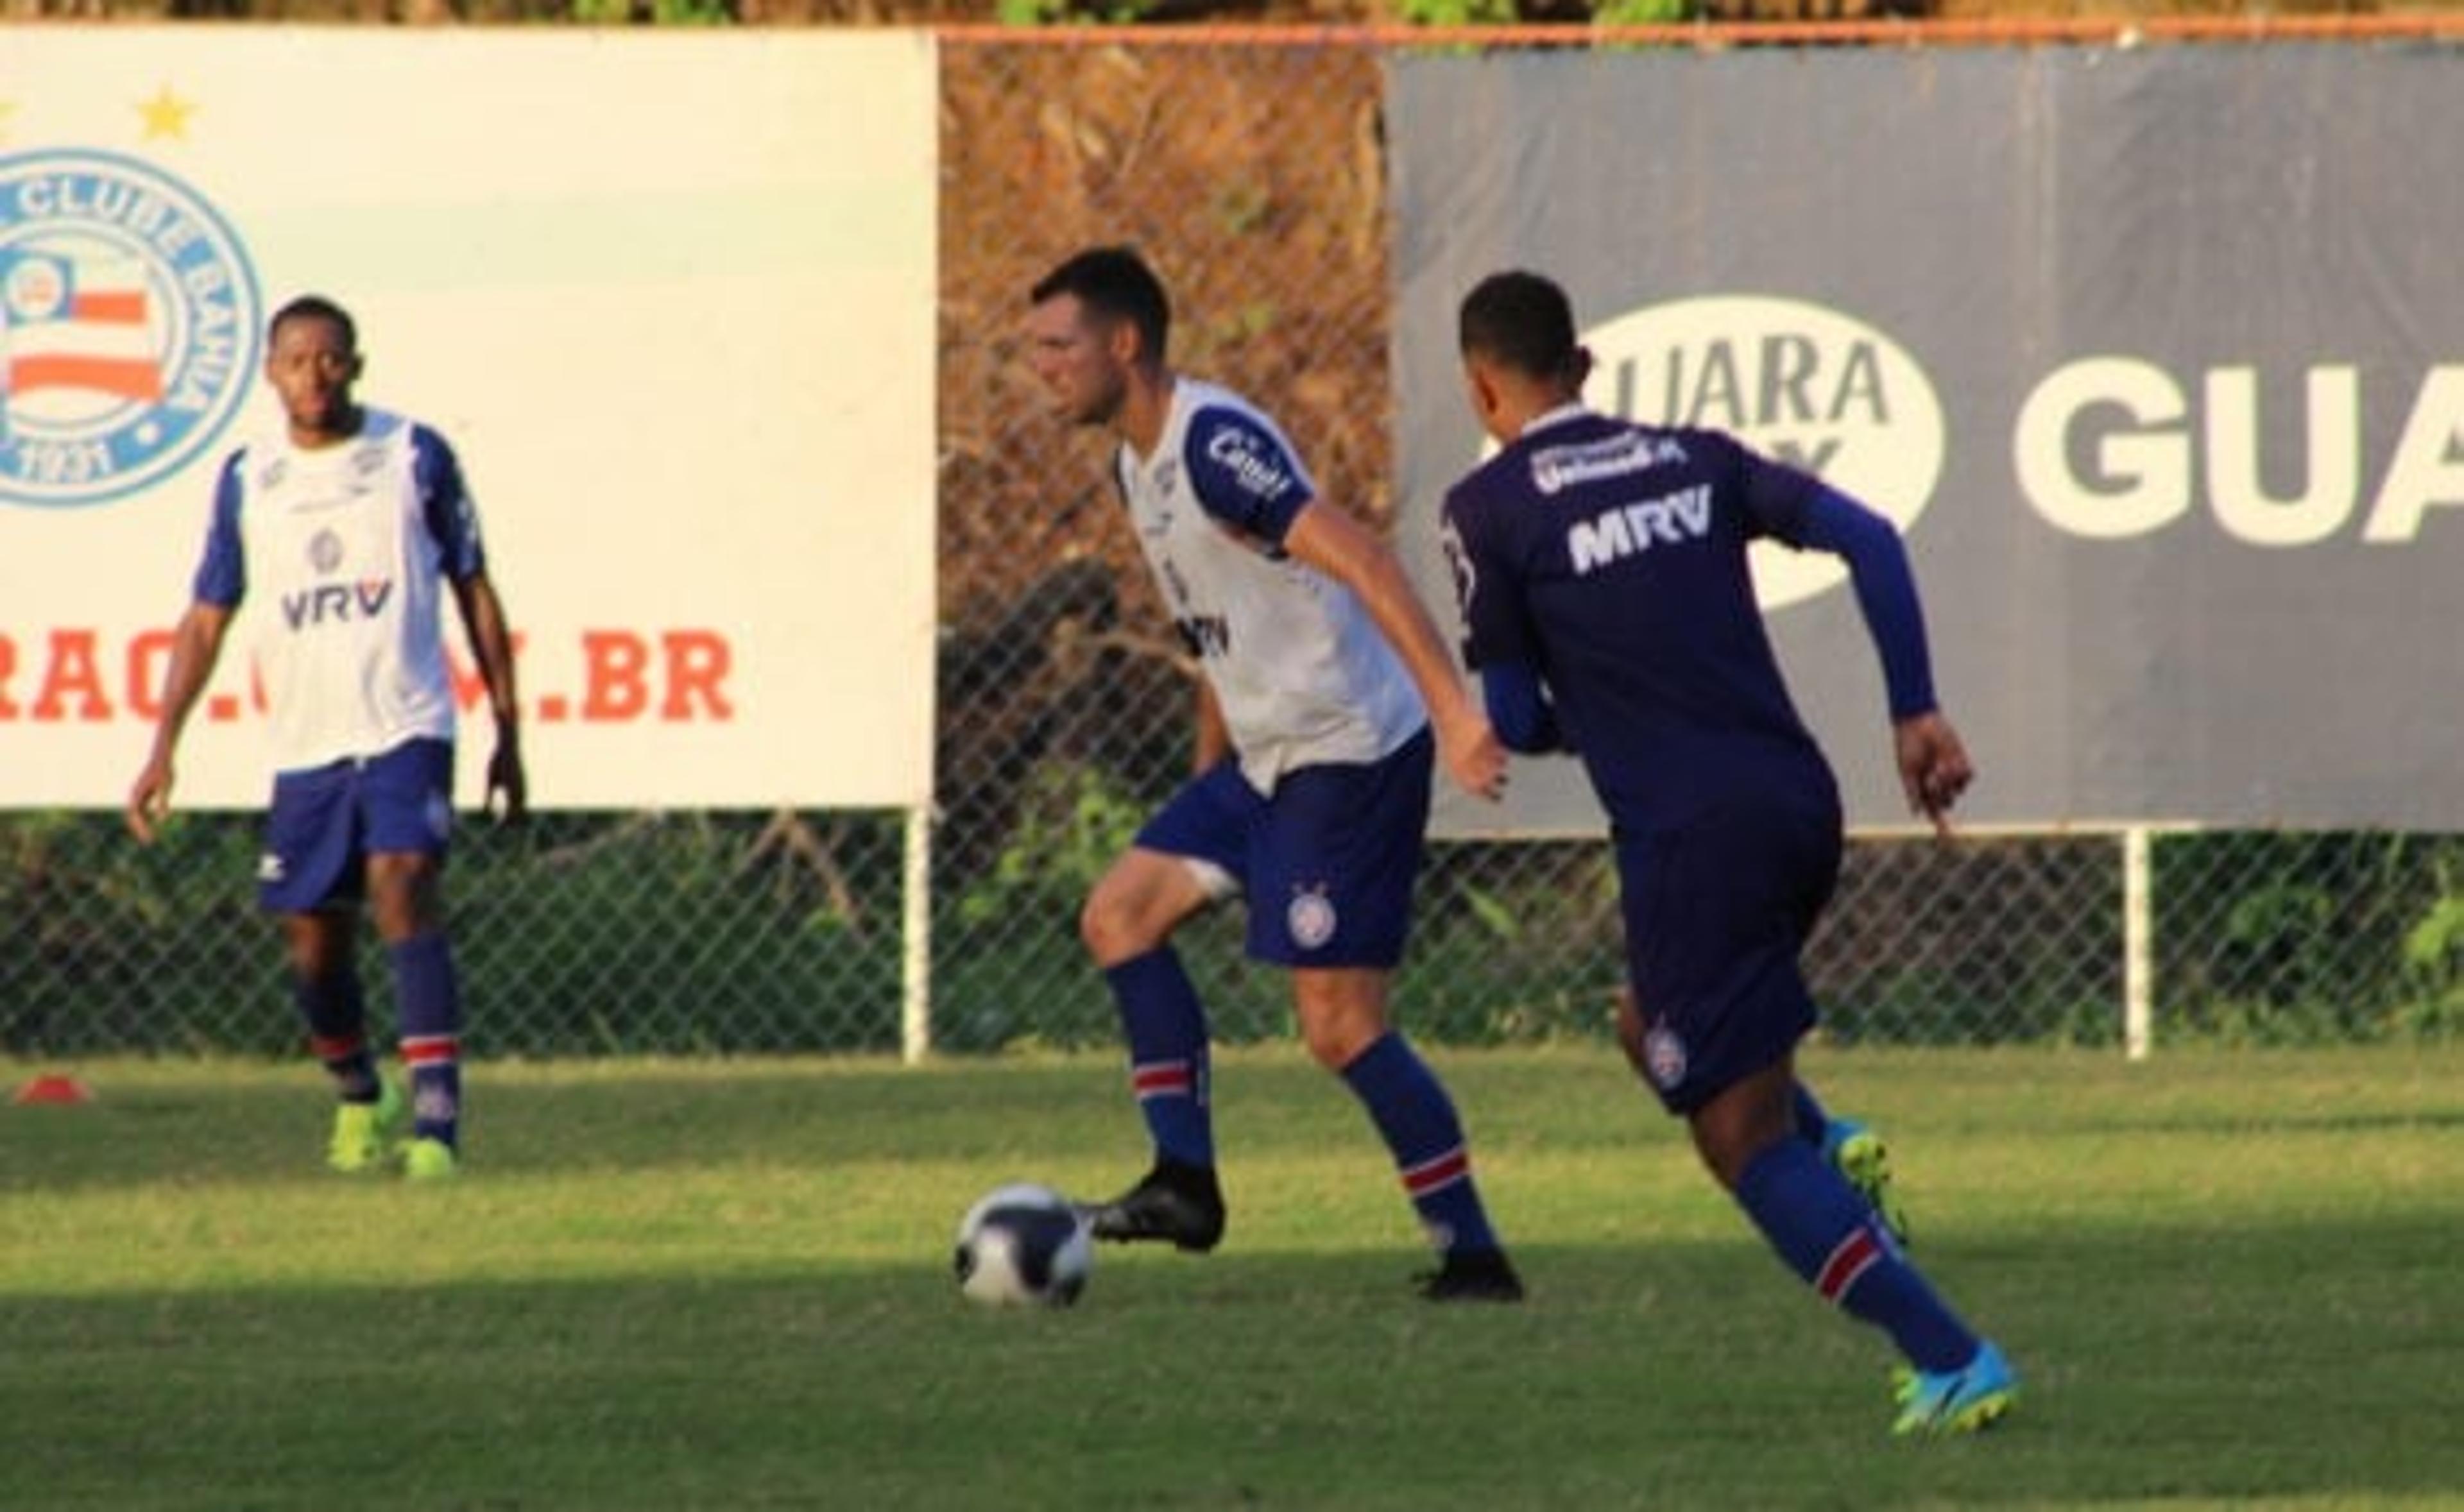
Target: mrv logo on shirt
column 335, row 603
column 1632, row 529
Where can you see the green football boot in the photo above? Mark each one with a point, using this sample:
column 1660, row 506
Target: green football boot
column 1939, row 1403
column 364, row 1133
column 1860, row 1156
column 430, row 1160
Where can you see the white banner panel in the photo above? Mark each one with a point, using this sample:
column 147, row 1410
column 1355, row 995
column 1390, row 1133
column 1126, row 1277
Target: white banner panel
column 671, row 297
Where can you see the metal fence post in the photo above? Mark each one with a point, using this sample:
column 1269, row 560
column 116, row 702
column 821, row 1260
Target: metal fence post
column 2138, row 940
column 915, row 933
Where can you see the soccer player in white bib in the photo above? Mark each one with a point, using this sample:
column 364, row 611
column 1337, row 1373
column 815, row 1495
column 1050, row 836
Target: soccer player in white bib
column 347, row 526
column 1324, row 681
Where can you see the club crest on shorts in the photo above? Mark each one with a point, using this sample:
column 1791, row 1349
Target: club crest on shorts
column 131, row 324
column 1311, row 918
column 1663, row 1055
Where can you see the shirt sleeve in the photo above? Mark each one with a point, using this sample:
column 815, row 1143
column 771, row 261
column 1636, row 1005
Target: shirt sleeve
column 1886, row 592
column 1244, row 475
column 1496, row 638
column 1774, row 494
column 1518, row 708
column 1487, row 594
column 222, row 574
column 445, row 501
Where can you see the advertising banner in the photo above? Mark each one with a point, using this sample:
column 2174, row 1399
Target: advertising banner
column 2156, row 357
column 669, row 297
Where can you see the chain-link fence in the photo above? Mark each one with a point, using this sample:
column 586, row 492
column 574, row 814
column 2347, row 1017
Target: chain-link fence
column 1252, row 177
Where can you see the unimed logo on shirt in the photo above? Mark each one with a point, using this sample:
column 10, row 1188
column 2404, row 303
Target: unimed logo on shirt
column 1798, row 383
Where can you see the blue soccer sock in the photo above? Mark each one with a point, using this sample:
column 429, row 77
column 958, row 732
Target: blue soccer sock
column 1411, row 1110
column 1828, row 1235
column 429, row 994
column 1165, row 1025
column 1812, row 1122
column 337, row 1031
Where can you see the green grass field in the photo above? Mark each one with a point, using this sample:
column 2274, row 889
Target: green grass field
column 2229, row 1278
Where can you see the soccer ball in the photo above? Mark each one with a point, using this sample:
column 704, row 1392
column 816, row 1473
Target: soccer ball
column 1023, row 1246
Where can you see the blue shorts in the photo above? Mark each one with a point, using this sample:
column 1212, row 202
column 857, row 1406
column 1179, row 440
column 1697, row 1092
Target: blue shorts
column 1717, row 913
column 326, row 822
column 1328, row 862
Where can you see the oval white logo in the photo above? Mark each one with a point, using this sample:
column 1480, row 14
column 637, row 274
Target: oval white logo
column 1798, row 383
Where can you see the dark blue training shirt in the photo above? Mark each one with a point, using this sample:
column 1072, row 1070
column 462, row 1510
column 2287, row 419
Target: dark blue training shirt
column 1609, row 559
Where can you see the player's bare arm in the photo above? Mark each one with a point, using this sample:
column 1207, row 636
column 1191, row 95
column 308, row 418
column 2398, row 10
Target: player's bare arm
column 1331, row 541
column 196, row 645
column 492, row 642
column 1934, row 768
column 1214, row 737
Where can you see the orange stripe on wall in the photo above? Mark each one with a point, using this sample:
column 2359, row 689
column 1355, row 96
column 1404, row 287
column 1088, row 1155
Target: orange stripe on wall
column 118, row 306
column 126, row 377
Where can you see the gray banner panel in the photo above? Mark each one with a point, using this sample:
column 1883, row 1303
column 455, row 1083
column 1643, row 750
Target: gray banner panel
column 2157, row 356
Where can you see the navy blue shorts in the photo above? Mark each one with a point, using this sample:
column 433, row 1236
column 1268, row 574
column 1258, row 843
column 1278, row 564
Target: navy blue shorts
column 1328, row 862
column 326, row 822
column 1716, row 916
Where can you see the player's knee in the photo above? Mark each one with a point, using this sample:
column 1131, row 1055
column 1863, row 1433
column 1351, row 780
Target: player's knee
column 1714, row 1145
column 1739, row 1123
column 316, row 946
column 1335, row 1044
column 1337, row 1030
column 308, row 963
column 1112, row 928
column 1095, row 929
column 1719, row 1160
column 404, row 898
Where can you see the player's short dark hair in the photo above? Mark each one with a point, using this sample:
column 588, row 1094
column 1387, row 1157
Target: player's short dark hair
column 1522, row 321
column 1115, row 284
column 317, row 307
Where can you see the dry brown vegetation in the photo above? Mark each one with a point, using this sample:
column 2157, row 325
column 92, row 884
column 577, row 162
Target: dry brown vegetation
column 1252, row 179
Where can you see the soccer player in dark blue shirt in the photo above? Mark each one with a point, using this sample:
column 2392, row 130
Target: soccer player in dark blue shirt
column 1602, row 575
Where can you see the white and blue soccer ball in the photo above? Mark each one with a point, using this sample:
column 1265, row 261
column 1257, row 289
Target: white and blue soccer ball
column 1023, row 1245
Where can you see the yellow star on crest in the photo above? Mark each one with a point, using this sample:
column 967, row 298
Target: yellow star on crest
column 166, row 114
